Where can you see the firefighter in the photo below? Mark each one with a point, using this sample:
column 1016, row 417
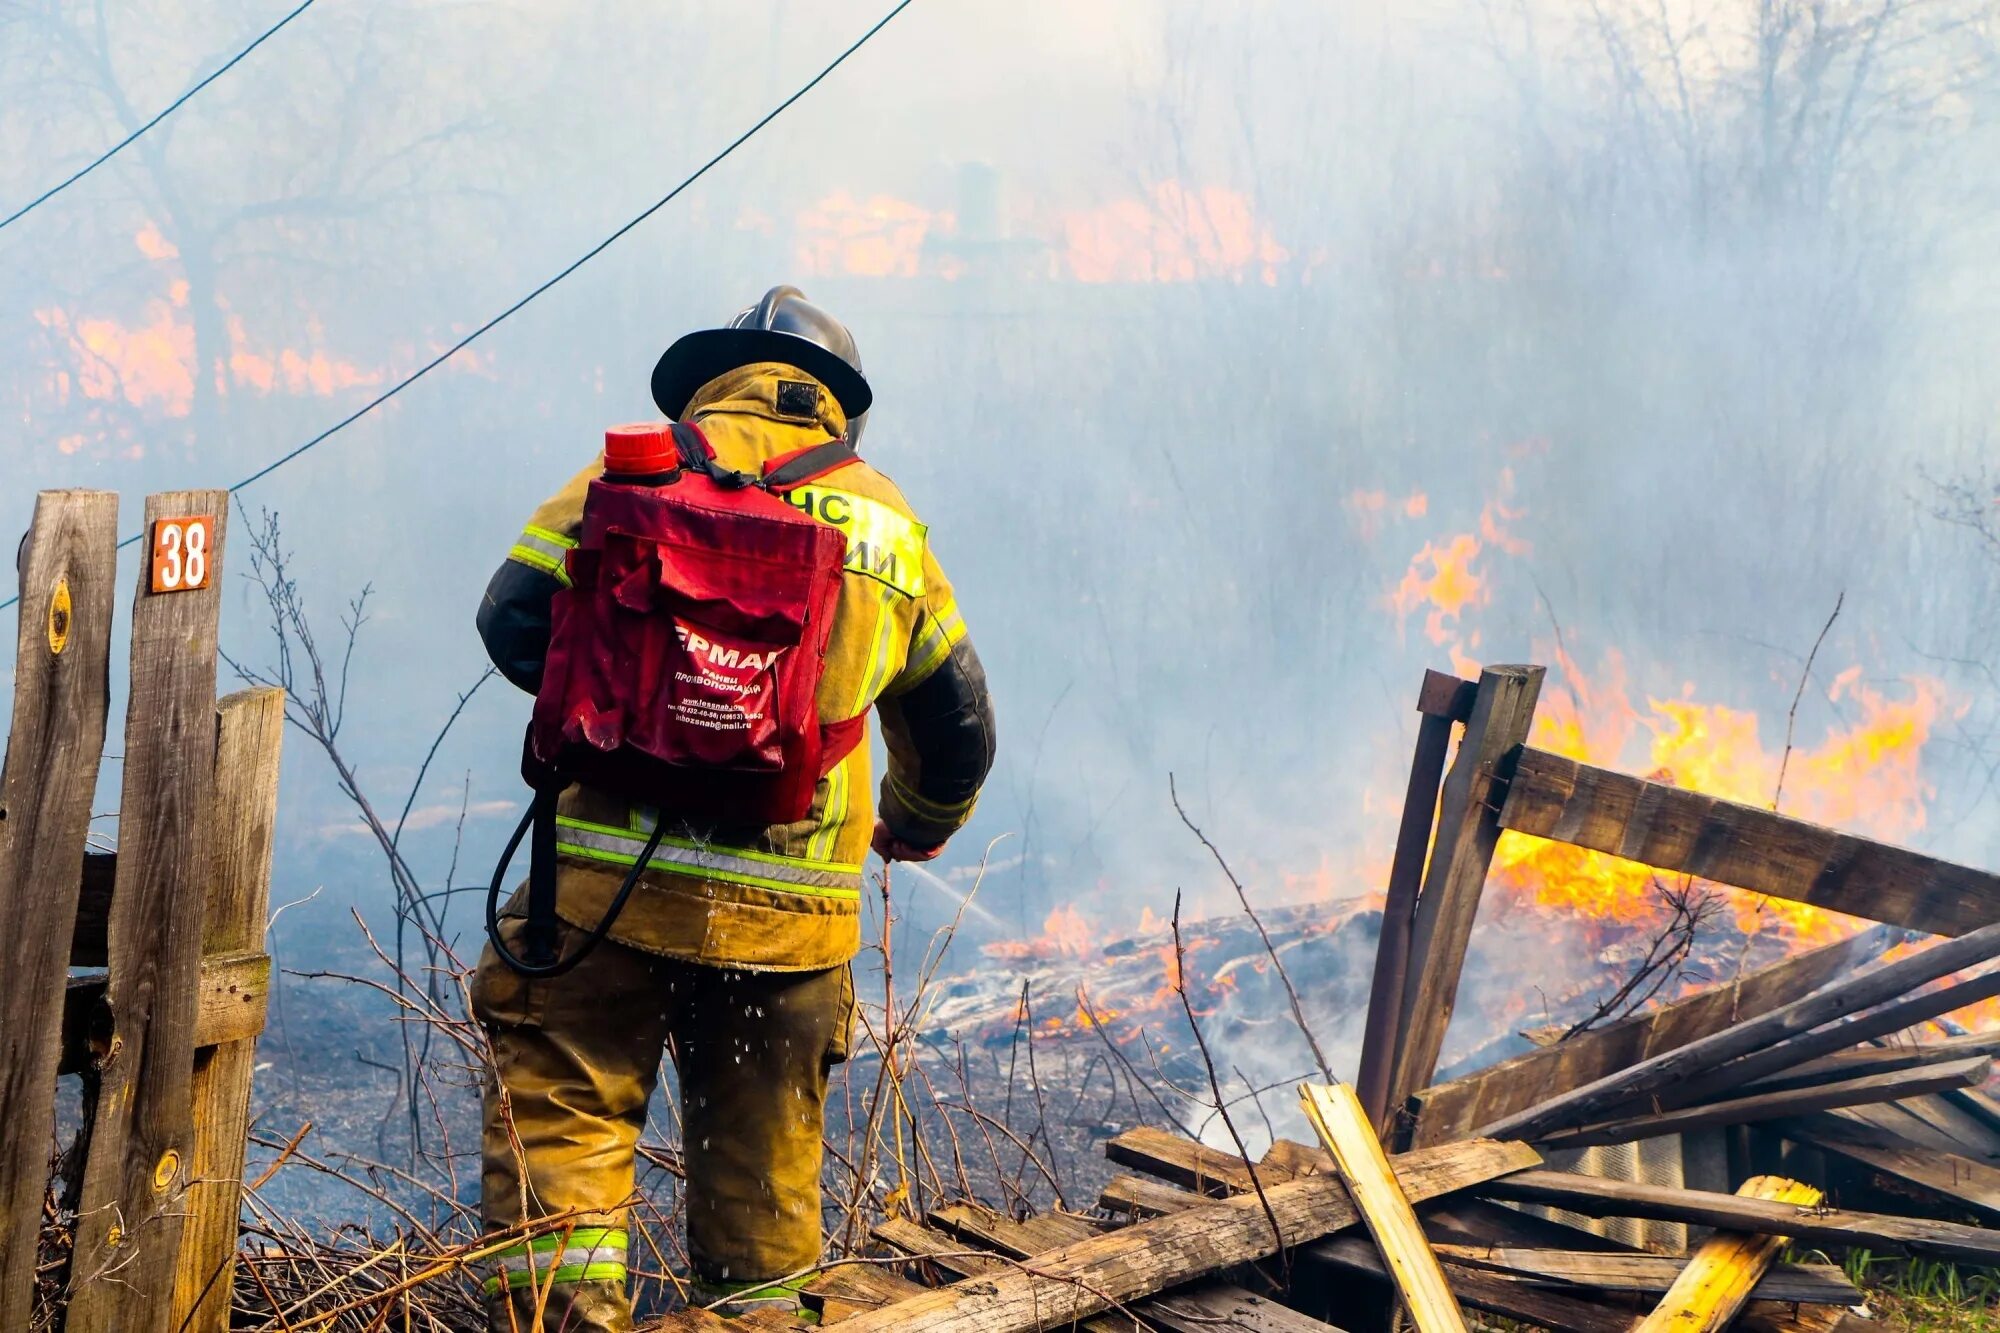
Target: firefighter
column 733, row 954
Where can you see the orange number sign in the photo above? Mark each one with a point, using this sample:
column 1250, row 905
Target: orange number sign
column 180, row 553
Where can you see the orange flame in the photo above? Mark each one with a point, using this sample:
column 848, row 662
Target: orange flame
column 1371, row 507
column 1171, row 233
column 1066, row 933
column 148, row 362
column 877, row 237
column 1175, row 233
column 1449, row 588
column 1864, row 775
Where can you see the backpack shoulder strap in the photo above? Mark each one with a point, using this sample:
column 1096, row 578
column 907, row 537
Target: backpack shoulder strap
column 698, row 455
column 783, row 473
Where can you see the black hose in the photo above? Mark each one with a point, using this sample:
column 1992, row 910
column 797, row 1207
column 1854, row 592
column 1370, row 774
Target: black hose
column 543, row 807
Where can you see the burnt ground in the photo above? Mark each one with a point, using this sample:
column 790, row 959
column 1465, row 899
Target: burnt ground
column 1020, row 1046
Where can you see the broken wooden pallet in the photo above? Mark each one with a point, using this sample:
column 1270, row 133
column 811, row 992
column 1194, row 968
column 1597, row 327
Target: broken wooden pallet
column 1112, row 1269
column 1523, row 1270
column 997, row 1274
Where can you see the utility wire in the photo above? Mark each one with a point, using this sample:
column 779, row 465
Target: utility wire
column 172, row 107
column 567, row 269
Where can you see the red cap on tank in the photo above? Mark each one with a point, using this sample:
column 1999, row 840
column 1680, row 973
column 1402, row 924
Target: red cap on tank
column 642, row 448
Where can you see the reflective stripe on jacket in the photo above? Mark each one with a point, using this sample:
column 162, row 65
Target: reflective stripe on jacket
column 783, row 897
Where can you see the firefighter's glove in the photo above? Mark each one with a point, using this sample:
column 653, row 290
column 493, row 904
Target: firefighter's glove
column 892, row 848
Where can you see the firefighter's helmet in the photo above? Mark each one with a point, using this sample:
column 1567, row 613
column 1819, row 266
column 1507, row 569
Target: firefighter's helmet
column 783, row 327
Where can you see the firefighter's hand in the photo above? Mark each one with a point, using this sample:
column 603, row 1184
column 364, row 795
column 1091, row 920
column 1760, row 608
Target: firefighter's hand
column 892, row 848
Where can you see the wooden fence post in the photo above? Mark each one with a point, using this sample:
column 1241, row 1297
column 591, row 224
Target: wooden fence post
column 250, row 728
column 1468, row 829
column 61, row 694
column 135, row 1181
column 1443, row 701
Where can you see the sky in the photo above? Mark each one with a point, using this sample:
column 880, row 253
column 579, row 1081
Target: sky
column 1246, row 359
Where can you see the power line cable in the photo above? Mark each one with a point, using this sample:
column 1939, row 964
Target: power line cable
column 172, row 107
column 566, row 270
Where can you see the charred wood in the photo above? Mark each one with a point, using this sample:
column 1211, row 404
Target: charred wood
column 1453, row 1110
column 1838, row 999
column 1778, row 1105
column 1823, row 1227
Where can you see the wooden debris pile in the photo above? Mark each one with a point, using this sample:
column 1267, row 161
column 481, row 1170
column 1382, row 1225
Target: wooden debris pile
column 1795, row 1112
column 1817, row 1067
column 1195, row 1240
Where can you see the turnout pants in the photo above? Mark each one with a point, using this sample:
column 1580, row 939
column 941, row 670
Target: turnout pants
column 576, row 1060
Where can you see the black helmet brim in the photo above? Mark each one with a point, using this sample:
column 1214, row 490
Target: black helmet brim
column 705, row 354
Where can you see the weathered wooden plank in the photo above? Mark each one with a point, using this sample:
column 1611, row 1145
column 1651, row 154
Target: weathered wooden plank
column 1465, row 1221
column 1885, row 1020
column 1148, row 1257
column 1956, row 1123
column 1719, row 1278
column 1344, row 1131
column 1845, row 995
column 1913, row 1121
column 1981, row 1104
column 1454, row 1110
column 967, row 1224
column 1292, row 1158
column 135, row 1183
column 917, row 1241
column 854, row 1288
column 1594, row 1196
column 1779, row 1105
column 1216, row 1307
column 1143, row 1196
column 1822, row 1284
column 1971, row 1186
column 61, row 694
column 1186, row 1163
column 1537, row 1306
column 1554, row 1308
column 249, row 735
column 235, row 992
column 1442, row 701
column 1877, row 1060
column 1003, row 1235
column 961, row 1257
column 1744, row 845
column 1468, row 829
column 1473, row 1223
column 1207, row 1306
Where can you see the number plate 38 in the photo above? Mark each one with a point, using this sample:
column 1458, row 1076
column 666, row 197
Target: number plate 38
column 181, row 553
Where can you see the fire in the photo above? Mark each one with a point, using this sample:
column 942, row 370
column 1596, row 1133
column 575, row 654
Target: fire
column 877, row 237
column 147, row 364
column 1174, row 233
column 155, row 246
column 1443, row 579
column 1371, row 507
column 1171, row 976
column 1864, row 775
column 149, row 361
column 315, row 373
column 1066, row 933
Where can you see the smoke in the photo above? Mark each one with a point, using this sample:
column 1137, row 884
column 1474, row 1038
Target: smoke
column 1197, row 329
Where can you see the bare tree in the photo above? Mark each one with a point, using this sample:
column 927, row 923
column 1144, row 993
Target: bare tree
column 315, row 682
